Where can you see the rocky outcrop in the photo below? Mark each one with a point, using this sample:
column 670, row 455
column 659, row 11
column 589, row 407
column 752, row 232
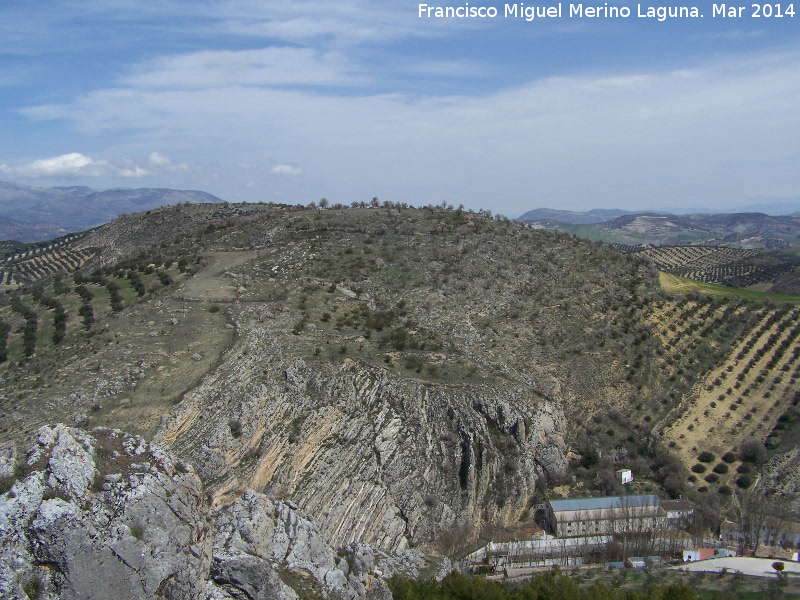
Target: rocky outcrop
column 106, row 515
column 257, row 539
column 103, row 516
column 378, row 459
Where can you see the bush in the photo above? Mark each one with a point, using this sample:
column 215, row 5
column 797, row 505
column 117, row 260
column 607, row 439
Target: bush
column 699, row 468
column 33, row 588
column 724, row 490
column 214, row 308
column 729, row 457
column 706, row 457
column 752, row 451
column 744, row 481
column 712, row 478
column 720, row 468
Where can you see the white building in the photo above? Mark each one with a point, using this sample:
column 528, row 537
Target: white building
column 624, row 476
column 604, row 515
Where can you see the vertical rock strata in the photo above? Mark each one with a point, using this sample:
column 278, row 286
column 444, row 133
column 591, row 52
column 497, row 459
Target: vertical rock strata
column 386, row 461
column 105, row 515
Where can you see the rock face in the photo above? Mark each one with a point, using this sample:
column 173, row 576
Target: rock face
column 391, row 462
column 254, row 533
column 105, row 515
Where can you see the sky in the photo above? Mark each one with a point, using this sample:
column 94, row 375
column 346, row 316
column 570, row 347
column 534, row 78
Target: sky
column 282, row 101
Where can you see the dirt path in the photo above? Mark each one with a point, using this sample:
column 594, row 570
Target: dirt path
column 211, row 284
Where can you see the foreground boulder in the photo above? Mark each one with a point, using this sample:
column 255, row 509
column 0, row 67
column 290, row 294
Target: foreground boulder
column 106, row 515
column 103, row 516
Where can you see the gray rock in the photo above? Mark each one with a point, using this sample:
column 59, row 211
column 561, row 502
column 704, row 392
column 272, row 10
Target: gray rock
column 8, row 458
column 145, row 537
column 257, row 527
column 249, row 575
column 109, row 516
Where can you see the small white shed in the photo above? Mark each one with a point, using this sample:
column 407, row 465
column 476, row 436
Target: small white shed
column 624, row 476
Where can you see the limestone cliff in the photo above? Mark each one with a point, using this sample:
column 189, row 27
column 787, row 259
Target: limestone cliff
column 389, row 461
column 105, row 515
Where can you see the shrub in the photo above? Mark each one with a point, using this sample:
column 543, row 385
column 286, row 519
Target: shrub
column 699, row 468
column 712, row 478
column 743, row 468
column 706, row 457
column 729, row 457
column 236, row 427
column 724, row 490
column 752, row 451
column 214, row 308
column 744, row 481
column 164, row 277
column 6, row 483
column 137, row 531
column 33, row 588
column 720, row 468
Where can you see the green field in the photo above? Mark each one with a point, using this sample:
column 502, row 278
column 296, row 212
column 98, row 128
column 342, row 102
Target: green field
column 676, row 283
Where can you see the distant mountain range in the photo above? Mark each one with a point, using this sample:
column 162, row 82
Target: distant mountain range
column 746, row 230
column 601, row 215
column 29, row 214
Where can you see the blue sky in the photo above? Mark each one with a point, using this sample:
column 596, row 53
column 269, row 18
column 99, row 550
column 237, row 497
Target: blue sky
column 295, row 101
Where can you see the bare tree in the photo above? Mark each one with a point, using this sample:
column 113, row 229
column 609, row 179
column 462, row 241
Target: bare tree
column 751, row 510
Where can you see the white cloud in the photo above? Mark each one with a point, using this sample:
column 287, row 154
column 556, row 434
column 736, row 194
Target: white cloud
column 348, row 22
column 712, row 132
column 158, row 160
column 286, row 170
column 134, row 172
column 69, row 165
column 210, row 69
column 75, row 165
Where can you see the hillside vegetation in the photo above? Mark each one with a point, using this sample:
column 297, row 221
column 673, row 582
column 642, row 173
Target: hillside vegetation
column 411, row 376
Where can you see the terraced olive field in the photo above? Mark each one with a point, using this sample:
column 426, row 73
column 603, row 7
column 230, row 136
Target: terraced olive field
column 683, row 285
column 734, row 267
column 32, row 262
column 746, row 397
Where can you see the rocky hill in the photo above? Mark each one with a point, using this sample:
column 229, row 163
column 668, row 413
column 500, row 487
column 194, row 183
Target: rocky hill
column 412, row 378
